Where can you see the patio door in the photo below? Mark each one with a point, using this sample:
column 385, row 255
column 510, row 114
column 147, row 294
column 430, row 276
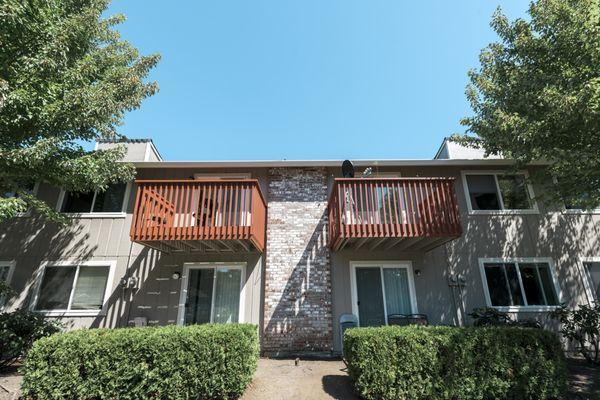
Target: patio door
column 211, row 294
column 381, row 289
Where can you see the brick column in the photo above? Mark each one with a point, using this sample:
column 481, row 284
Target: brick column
column 297, row 309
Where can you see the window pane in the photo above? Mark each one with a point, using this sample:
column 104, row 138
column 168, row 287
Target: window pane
column 514, row 192
column 548, row 284
column 483, row 193
column 111, row 200
column 497, row 285
column 76, row 202
column 513, row 283
column 4, row 272
column 56, row 288
column 227, row 295
column 90, row 288
column 593, row 273
column 4, row 269
column 199, row 296
column 370, row 296
column 397, row 295
column 531, row 285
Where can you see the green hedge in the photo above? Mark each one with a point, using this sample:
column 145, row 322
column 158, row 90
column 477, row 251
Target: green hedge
column 417, row 362
column 201, row 361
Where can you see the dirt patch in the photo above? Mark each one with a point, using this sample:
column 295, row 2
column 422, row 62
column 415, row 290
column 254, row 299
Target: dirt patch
column 10, row 383
column 282, row 379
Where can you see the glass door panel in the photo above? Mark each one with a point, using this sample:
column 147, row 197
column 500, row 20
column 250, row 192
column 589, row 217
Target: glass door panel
column 397, row 294
column 370, row 296
column 227, row 295
column 199, row 296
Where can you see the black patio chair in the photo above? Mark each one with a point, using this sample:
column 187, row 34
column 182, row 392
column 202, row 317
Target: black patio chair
column 418, row 319
column 398, row 319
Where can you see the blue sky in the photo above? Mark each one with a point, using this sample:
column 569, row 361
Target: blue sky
column 310, row 79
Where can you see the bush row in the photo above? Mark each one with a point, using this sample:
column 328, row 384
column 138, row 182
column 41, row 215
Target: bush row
column 418, row 362
column 201, row 361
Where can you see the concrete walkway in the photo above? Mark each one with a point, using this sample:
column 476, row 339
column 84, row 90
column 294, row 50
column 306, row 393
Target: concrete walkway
column 282, row 379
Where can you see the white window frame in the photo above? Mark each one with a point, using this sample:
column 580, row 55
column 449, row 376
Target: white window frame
column 587, row 284
column 592, row 211
column 503, row 211
column 210, row 265
column 382, row 265
column 39, row 276
column 221, row 176
column 517, row 261
column 118, row 214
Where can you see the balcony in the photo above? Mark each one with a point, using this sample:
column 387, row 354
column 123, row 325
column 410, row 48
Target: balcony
column 217, row 216
column 412, row 214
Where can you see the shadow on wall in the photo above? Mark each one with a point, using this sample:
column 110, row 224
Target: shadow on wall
column 563, row 237
column 32, row 240
column 122, row 302
column 301, row 318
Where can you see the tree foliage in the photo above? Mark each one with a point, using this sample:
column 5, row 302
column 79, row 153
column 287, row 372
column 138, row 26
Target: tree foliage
column 66, row 78
column 536, row 95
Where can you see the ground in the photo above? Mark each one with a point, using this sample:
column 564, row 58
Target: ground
column 283, row 379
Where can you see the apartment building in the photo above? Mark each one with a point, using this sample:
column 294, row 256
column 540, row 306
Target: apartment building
column 293, row 245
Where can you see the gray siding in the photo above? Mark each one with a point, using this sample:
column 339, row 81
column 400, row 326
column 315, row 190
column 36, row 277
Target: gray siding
column 563, row 237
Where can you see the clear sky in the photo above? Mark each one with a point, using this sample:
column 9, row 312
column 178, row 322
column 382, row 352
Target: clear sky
column 306, row 79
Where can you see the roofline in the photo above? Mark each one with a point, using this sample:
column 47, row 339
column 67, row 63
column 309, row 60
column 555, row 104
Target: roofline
column 323, row 163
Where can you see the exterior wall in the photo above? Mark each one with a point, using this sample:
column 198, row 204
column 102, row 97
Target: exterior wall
column 297, row 314
column 29, row 241
column 136, row 150
column 564, row 237
column 305, row 287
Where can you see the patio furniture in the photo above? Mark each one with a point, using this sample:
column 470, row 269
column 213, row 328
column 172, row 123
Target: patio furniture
column 407, row 319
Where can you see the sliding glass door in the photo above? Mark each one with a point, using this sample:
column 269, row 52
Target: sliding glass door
column 213, row 294
column 380, row 290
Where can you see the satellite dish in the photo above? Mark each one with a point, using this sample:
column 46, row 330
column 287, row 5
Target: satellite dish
column 347, row 169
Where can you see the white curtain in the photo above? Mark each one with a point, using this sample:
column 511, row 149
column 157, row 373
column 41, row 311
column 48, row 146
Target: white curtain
column 227, row 295
column 397, row 295
column 90, row 288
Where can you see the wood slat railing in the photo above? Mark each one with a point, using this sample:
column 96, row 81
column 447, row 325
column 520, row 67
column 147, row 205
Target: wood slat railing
column 191, row 210
column 393, row 207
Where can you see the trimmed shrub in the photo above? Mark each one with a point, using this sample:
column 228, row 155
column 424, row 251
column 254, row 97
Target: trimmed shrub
column 416, row 362
column 174, row 362
column 19, row 330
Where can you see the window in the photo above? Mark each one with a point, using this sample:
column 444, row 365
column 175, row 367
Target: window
column 30, row 188
column 6, row 271
column 579, row 206
column 213, row 294
column 523, row 283
column 73, row 288
column 591, row 271
column 495, row 191
column 111, row 200
column 381, row 289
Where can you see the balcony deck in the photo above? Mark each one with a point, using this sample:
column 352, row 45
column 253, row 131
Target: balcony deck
column 199, row 215
column 413, row 214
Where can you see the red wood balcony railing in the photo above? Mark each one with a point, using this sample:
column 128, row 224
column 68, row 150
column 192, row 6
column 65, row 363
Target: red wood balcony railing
column 410, row 213
column 200, row 215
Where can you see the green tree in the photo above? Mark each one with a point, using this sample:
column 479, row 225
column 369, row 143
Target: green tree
column 66, row 78
column 536, row 95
